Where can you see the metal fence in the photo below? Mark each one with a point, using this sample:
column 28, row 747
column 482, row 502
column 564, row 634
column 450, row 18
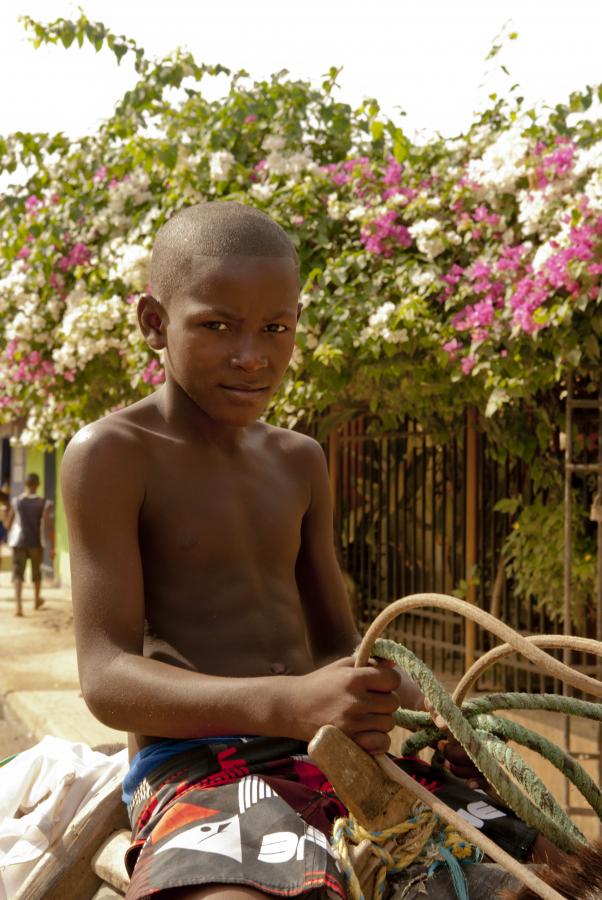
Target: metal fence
column 411, row 516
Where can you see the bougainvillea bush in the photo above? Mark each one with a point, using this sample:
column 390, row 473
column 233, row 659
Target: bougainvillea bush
column 438, row 276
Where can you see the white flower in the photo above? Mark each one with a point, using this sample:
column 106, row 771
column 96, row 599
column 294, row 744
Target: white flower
column 424, row 232
column 220, row 164
column 261, row 191
column 593, row 190
column 425, row 227
column 335, row 207
column 423, row 277
column 357, row 212
column 531, row 207
column 131, row 263
column 542, row 255
column 382, row 314
column 503, row 162
column 273, row 142
column 398, row 200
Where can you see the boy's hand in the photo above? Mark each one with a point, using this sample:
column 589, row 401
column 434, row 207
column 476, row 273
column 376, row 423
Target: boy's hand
column 456, row 759
column 458, row 762
column 360, row 702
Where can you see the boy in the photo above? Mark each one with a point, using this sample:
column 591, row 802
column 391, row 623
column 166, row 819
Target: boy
column 186, row 511
column 26, row 516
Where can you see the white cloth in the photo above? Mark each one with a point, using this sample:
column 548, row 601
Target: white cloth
column 41, row 791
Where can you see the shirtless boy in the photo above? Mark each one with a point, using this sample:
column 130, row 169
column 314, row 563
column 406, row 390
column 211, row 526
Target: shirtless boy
column 189, row 514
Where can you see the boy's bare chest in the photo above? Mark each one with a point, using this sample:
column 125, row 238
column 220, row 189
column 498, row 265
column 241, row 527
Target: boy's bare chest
column 201, row 514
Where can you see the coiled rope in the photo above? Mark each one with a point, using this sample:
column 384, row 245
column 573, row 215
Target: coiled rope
column 482, row 735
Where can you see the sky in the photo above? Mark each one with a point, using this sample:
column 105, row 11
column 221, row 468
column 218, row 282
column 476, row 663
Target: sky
column 426, row 57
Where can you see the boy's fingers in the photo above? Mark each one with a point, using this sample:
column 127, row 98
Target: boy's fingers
column 372, row 741
column 378, row 661
column 382, row 678
column 438, row 720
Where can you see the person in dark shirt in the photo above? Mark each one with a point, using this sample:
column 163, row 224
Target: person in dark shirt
column 27, row 514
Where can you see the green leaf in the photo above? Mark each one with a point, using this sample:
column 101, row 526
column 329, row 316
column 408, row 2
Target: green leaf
column 168, row 155
column 377, row 128
column 67, row 34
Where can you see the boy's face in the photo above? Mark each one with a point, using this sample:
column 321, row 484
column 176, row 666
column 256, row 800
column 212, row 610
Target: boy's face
column 230, row 332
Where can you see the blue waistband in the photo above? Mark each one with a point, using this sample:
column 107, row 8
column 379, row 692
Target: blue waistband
column 150, row 757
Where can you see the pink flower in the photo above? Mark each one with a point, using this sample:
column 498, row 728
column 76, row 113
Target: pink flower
column 32, row 203
column 23, row 252
column 383, row 235
column 452, row 347
column 100, row 174
column 153, row 373
column 34, row 358
column 468, row 364
column 250, row 118
column 69, row 375
column 79, row 255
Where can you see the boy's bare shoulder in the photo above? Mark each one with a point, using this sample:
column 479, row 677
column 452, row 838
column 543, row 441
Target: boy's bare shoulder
column 301, row 446
column 116, row 440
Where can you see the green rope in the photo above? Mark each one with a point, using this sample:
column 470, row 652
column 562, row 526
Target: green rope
column 513, row 731
column 532, row 783
column 412, row 720
column 528, row 809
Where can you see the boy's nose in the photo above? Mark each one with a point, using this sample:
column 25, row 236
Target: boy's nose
column 249, row 359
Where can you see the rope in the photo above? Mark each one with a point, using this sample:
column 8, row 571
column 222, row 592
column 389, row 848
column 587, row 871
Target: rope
column 484, row 747
column 530, row 811
column 550, row 641
column 393, row 854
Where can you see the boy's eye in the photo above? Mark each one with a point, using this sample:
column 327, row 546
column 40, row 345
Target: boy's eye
column 215, row 326
column 276, row 328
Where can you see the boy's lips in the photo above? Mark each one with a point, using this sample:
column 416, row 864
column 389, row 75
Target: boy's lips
column 249, row 388
column 246, row 392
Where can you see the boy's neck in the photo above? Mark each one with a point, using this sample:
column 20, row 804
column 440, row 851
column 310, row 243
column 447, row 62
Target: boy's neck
column 182, row 414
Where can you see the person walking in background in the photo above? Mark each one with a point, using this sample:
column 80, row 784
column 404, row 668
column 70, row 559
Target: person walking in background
column 27, row 514
column 4, row 508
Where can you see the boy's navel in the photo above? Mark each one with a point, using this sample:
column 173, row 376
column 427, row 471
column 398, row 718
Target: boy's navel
column 279, row 668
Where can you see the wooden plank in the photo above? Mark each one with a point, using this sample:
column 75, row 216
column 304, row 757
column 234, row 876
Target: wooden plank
column 108, row 861
column 65, row 869
column 373, row 799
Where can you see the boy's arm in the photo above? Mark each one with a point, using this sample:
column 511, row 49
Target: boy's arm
column 330, row 625
column 103, row 489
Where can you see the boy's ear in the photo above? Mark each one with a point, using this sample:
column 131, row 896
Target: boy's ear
column 151, row 319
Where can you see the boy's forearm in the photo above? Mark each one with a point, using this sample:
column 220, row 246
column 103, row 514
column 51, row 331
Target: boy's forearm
column 167, row 701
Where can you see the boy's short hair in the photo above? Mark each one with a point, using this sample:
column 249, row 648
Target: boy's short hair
column 32, row 478
column 218, row 228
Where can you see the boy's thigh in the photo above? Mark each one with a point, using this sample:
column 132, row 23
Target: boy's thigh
column 36, row 555
column 221, row 891
column 19, row 560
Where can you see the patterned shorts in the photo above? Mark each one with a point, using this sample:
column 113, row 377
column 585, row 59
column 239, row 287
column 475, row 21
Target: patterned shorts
column 260, row 813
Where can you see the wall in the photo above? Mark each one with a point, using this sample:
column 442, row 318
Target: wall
column 61, row 561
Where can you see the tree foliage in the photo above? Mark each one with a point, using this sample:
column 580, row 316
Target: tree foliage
column 437, row 276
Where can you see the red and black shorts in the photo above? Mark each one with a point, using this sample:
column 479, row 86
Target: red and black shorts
column 260, row 813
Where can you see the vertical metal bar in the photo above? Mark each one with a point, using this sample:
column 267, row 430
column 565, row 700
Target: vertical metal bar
column 404, row 487
column 471, row 499
column 397, row 589
column 423, row 513
column 599, row 578
column 568, row 497
column 432, row 582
